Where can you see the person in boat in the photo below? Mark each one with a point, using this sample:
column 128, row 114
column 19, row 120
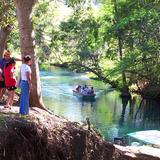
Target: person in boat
column 91, row 92
column 84, row 91
column 78, row 89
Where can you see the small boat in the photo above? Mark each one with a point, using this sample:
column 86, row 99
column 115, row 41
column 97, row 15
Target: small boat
column 149, row 137
column 84, row 97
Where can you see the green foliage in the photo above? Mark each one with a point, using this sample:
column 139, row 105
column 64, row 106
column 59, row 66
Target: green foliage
column 82, row 26
column 7, row 13
column 136, row 25
column 93, row 38
column 75, row 3
column 117, row 40
column 44, row 66
column 8, row 18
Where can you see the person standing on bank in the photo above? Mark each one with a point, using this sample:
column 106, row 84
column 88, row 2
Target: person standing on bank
column 3, row 62
column 10, row 81
column 25, row 84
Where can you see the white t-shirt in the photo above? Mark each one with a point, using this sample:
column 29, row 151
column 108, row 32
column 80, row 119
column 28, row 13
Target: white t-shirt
column 25, row 68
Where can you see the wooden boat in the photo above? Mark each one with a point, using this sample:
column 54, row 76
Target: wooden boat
column 149, row 137
column 84, row 97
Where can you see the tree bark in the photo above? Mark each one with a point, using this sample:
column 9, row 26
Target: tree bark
column 24, row 11
column 4, row 33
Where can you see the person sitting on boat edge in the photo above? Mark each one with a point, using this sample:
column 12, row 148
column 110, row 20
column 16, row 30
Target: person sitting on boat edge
column 78, row 89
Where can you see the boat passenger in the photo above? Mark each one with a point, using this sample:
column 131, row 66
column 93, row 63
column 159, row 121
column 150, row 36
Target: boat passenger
column 84, row 91
column 91, row 91
column 78, row 89
column 87, row 90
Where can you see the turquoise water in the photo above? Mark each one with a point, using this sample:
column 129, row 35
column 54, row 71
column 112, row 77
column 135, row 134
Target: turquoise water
column 110, row 114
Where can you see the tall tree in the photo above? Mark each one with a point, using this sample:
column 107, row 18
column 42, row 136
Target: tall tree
column 6, row 23
column 119, row 34
column 24, row 11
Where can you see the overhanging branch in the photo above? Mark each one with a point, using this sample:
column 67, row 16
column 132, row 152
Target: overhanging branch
column 98, row 73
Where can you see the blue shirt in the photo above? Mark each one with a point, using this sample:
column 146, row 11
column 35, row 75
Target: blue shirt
column 3, row 62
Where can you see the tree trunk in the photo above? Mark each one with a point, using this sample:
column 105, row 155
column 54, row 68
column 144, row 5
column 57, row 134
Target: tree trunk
column 125, row 89
column 24, row 10
column 4, row 33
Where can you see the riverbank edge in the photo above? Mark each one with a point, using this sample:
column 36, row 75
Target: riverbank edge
column 45, row 136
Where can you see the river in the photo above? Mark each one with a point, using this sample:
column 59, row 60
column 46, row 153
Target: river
column 111, row 115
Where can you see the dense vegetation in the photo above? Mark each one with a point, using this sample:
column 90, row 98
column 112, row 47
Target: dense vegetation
column 118, row 41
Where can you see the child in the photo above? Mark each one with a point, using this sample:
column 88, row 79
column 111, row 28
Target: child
column 25, row 85
column 10, row 81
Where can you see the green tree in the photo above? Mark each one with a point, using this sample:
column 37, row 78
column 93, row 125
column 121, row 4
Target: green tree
column 138, row 25
column 7, row 19
column 118, row 41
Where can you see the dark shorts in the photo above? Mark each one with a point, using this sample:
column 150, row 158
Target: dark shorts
column 2, row 84
column 11, row 88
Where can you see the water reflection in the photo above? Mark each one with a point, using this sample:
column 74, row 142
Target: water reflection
column 148, row 114
column 139, row 115
column 124, row 105
column 110, row 114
